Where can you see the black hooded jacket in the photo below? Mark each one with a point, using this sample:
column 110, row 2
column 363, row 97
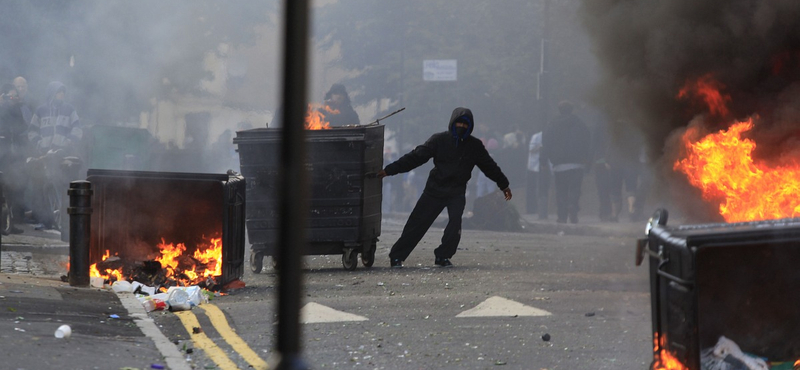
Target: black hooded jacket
column 454, row 158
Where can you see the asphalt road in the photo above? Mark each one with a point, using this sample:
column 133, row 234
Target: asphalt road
column 582, row 275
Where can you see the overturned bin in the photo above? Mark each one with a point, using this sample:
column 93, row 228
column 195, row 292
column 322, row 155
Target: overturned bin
column 345, row 205
column 724, row 295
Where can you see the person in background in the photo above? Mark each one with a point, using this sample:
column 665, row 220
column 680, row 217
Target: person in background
column 55, row 134
column 338, row 110
column 532, row 180
column 567, row 144
column 608, row 173
column 27, row 107
column 455, row 153
column 13, row 152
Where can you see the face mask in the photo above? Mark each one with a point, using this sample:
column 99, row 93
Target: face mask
column 461, row 131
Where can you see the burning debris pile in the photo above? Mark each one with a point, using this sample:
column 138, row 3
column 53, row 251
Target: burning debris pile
column 719, row 81
column 171, row 267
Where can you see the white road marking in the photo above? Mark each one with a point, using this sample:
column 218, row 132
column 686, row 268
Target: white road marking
column 501, row 307
column 316, row 313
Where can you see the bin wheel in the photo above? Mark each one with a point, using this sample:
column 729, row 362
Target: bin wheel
column 367, row 259
column 350, row 259
column 256, row 261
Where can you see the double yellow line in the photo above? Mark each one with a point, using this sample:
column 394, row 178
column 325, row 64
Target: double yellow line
column 216, row 354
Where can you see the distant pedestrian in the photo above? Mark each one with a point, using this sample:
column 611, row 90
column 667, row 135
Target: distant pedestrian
column 455, row 153
column 532, row 180
column 55, row 133
column 13, row 152
column 567, row 145
column 338, row 110
column 25, row 104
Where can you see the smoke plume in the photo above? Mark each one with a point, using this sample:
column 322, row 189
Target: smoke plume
column 650, row 50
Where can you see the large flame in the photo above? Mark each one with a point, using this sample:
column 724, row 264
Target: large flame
column 721, row 165
column 315, row 119
column 662, row 359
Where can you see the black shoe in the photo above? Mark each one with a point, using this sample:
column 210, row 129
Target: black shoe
column 444, row 262
column 396, row 263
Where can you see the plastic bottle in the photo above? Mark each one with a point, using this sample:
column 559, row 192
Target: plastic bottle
column 178, row 300
column 149, row 305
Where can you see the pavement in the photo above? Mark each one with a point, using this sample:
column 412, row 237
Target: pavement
column 112, row 331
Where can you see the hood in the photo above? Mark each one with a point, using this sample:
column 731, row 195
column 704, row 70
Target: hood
column 338, row 89
column 464, row 115
column 53, row 88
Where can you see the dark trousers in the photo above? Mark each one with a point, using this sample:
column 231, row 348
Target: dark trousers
column 543, row 202
column 609, row 192
column 421, row 219
column 568, row 194
column 532, row 192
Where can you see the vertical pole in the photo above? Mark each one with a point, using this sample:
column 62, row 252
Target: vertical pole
column 543, row 92
column 293, row 186
column 80, row 219
column 3, row 203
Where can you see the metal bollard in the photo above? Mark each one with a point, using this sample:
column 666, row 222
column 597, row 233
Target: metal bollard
column 80, row 220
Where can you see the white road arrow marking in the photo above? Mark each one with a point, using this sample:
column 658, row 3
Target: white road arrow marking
column 498, row 306
column 316, row 313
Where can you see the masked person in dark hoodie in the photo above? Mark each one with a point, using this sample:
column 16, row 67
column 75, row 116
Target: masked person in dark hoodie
column 338, row 110
column 455, row 153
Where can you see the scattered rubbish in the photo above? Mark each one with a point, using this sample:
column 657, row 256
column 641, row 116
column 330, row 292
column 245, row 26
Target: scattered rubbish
column 178, row 300
column 120, row 286
column 233, row 286
column 96, row 282
column 139, row 288
column 154, row 304
column 726, row 354
column 157, row 366
column 194, row 294
column 546, row 337
column 15, row 291
column 19, row 329
column 197, row 330
column 499, row 363
column 113, row 316
column 190, row 350
column 589, row 314
column 63, row 332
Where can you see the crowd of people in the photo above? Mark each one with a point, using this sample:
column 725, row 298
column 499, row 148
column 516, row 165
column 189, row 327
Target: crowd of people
column 552, row 170
column 39, row 152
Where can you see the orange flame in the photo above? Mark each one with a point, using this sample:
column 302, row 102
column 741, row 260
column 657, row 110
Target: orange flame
column 709, row 91
column 663, row 360
column 315, row 119
column 206, row 262
column 721, row 165
column 109, row 273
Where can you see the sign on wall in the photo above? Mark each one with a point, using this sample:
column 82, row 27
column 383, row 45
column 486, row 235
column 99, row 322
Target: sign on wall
column 439, row 70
